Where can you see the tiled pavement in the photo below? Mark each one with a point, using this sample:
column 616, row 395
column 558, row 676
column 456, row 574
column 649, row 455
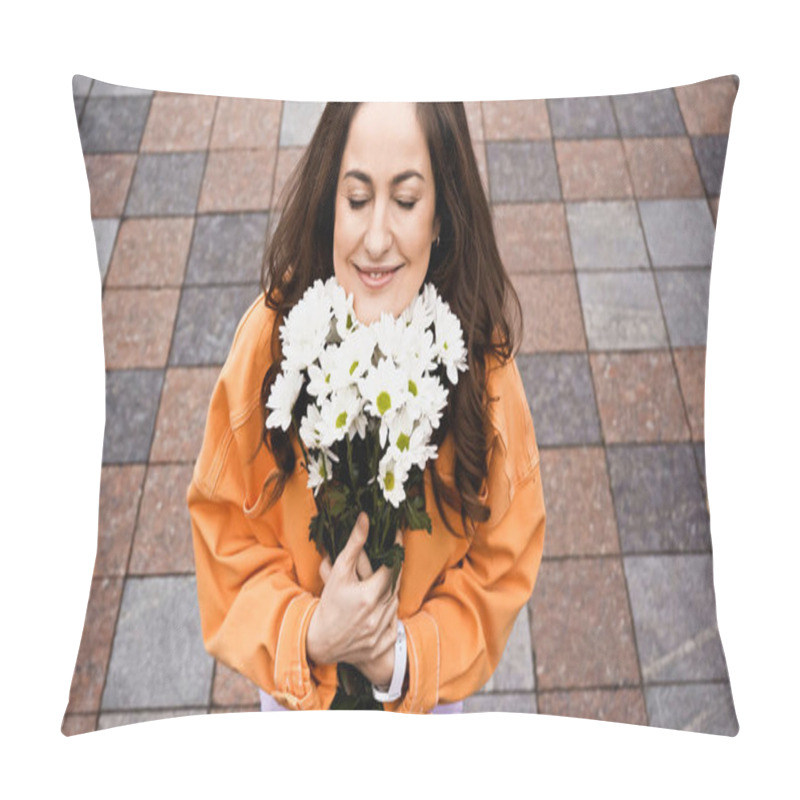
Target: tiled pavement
column 605, row 210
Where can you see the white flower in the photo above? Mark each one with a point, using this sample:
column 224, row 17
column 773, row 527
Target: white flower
column 338, row 415
column 391, row 336
column 319, row 470
column 282, row 398
column 320, row 372
column 306, row 328
column 449, row 341
column 392, row 476
column 344, row 315
column 426, row 399
column 310, row 427
column 418, row 354
column 410, row 441
column 354, row 356
column 384, row 389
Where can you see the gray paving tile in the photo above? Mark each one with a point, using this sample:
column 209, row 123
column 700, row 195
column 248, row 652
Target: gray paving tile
column 658, row 497
column 514, row 703
column 298, row 122
column 606, row 235
column 81, row 85
column 80, row 103
column 102, row 89
column 710, row 154
column 113, row 719
column 158, row 659
column 700, row 454
column 522, row 171
column 105, row 234
column 700, row 707
column 515, row 671
column 227, row 248
column 207, row 320
column 621, row 311
column 582, row 117
column 561, row 396
column 166, row 184
column 674, row 613
column 113, row 124
column 132, row 397
column 648, row 113
column 679, row 233
column 684, row 297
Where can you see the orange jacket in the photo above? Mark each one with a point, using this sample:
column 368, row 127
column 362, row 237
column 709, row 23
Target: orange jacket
column 257, row 572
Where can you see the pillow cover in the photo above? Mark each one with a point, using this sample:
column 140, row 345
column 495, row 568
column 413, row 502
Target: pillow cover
column 605, row 211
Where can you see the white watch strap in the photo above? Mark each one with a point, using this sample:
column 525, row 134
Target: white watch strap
column 399, row 673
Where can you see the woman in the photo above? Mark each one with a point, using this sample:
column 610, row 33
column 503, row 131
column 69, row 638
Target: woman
column 387, row 197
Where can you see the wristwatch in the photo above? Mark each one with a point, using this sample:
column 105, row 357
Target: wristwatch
column 399, row 673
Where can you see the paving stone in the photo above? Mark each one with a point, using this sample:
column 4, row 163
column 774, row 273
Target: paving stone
column 151, row 252
column 245, row 123
column 102, row 89
column 178, row 122
column 552, row 313
column 515, row 673
column 237, row 180
column 580, row 512
column 582, row 630
column 648, row 113
column 298, row 123
column 515, row 119
column 663, row 167
column 131, row 404
column 608, row 705
column 254, row 707
column 158, row 660
column 672, row 598
column 700, row 455
column 621, row 311
column 699, row 707
column 679, row 233
column 227, row 248
column 483, row 167
column 582, row 117
column 95, row 647
column 684, row 297
column 120, row 493
column 113, row 125
column 137, row 326
column 80, row 104
column 74, row 724
column 288, row 159
column 658, row 498
column 593, row 170
column 105, row 234
column 166, row 183
column 690, row 363
column 474, row 114
column 710, row 154
column 114, row 719
column 522, row 172
column 163, row 541
column 109, row 177
column 560, row 393
column 510, row 703
column 182, row 414
column 232, row 689
column 638, row 397
column 81, row 85
column 606, row 235
column 707, row 106
column 713, row 205
column 532, row 237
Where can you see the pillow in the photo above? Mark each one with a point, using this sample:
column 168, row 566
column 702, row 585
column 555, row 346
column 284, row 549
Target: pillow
column 604, row 210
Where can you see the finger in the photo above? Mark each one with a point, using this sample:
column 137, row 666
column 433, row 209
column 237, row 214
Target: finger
column 325, row 569
column 358, row 536
column 363, row 567
column 380, row 583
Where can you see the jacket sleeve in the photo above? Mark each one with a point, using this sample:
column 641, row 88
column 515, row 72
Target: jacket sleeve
column 456, row 639
column 254, row 615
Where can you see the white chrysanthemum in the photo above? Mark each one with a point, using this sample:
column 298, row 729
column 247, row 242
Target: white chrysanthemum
column 282, row 398
column 410, row 439
column 338, row 415
column 310, row 427
column 391, row 336
column 384, row 389
column 426, row 399
column 418, row 354
column 320, row 469
column 321, row 372
column 392, row 476
column 306, row 328
column 344, row 315
column 354, row 357
column 449, row 341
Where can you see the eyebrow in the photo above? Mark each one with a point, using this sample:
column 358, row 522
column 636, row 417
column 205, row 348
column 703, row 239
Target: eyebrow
column 403, row 176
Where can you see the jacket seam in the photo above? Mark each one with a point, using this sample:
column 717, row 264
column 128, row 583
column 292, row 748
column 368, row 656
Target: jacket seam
column 438, row 652
column 278, row 646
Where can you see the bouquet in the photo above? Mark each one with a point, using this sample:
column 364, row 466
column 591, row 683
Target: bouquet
column 363, row 401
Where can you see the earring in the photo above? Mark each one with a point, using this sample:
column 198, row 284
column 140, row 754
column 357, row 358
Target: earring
column 437, row 241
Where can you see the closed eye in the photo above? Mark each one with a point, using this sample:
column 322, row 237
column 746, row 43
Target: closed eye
column 356, row 204
column 407, row 204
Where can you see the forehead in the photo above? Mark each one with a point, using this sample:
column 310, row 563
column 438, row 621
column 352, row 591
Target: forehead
column 386, row 138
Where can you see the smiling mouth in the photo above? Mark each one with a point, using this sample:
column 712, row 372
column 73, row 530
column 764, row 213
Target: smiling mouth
column 376, row 274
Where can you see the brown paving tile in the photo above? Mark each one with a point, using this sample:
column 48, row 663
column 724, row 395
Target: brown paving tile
column 182, row 415
column 713, row 204
column 151, row 252
column 95, row 647
column 594, row 169
column 137, row 326
column 233, row 689
column 581, row 626
column 288, row 158
column 178, row 123
column 551, row 311
column 74, row 724
column 638, row 397
column 109, row 178
column 532, row 237
column 609, row 705
column 475, row 121
column 237, row 180
column 580, row 511
column 707, row 106
column 163, row 541
column 663, row 167
column 691, row 366
column 236, row 709
column 120, row 492
column 245, row 123
column 515, row 119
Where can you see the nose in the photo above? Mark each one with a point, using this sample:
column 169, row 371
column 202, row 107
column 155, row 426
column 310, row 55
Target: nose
column 378, row 236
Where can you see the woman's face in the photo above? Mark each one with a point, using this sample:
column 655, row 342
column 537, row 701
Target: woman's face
column 385, row 213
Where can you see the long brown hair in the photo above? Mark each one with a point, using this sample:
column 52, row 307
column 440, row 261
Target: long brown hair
column 465, row 268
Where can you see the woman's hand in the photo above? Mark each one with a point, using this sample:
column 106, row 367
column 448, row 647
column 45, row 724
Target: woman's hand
column 356, row 618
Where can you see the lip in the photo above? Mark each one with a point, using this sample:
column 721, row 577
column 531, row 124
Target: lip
column 387, row 273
